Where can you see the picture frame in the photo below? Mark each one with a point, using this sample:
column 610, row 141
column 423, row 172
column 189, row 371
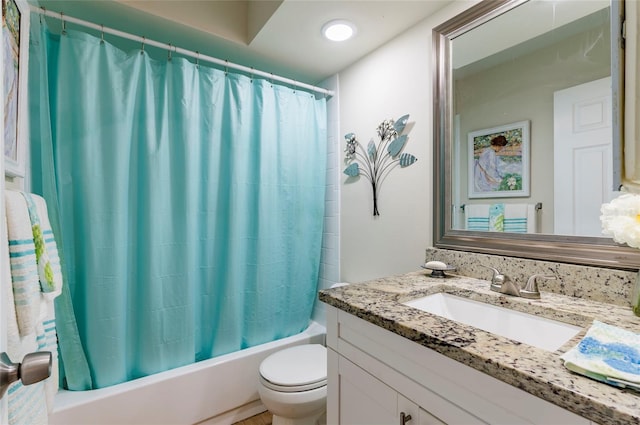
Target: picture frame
column 499, row 161
column 15, row 50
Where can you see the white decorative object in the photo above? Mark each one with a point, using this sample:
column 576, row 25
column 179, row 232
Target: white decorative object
column 621, row 219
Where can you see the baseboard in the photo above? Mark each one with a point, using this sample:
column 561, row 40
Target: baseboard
column 236, row 415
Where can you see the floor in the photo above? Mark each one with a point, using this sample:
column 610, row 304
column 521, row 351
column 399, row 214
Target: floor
column 263, row 418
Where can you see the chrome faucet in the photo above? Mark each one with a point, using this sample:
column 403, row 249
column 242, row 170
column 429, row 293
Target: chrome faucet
column 497, row 280
column 503, row 284
column 531, row 288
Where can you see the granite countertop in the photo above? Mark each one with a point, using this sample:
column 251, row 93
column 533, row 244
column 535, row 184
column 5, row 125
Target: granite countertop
column 531, row 369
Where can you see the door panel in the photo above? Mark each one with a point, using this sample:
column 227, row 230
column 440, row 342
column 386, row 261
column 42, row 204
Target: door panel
column 583, row 162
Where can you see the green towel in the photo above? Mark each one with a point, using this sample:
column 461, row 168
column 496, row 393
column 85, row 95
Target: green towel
column 496, row 218
column 45, row 270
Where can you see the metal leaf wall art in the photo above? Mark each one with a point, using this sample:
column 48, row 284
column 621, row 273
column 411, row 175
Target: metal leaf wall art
column 377, row 160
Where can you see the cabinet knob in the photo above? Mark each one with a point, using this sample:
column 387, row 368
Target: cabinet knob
column 404, row 418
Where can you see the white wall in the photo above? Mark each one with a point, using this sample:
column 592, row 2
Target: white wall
column 388, row 83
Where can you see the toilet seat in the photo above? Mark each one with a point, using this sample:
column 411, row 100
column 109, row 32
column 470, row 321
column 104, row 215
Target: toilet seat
column 295, row 369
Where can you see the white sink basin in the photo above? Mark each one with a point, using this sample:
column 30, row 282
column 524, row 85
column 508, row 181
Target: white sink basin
column 526, row 328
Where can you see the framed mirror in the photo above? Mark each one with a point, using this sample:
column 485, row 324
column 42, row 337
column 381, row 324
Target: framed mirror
column 527, row 130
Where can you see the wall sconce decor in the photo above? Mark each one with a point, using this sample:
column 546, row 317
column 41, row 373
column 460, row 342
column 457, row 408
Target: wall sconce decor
column 378, row 159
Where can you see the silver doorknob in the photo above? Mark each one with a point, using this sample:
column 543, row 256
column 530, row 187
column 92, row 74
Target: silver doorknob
column 35, row 367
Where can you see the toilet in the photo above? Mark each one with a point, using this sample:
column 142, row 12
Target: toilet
column 293, row 385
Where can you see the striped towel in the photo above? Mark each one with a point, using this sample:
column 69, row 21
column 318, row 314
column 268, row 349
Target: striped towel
column 26, row 404
column 24, row 270
column 477, row 217
column 608, row 354
column 30, row 404
column 517, row 218
column 510, row 218
column 50, row 275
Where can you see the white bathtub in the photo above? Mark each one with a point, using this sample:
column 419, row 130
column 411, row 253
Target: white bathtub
column 222, row 390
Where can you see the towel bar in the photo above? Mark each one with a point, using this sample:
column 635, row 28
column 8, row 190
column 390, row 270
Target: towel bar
column 538, row 206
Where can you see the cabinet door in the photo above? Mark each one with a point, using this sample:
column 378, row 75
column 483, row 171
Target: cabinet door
column 427, row 418
column 414, row 415
column 363, row 399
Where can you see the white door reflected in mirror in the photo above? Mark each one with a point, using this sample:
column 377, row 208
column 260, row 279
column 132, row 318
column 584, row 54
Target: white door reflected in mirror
column 583, row 178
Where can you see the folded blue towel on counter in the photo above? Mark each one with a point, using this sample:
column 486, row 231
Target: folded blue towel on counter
column 608, row 354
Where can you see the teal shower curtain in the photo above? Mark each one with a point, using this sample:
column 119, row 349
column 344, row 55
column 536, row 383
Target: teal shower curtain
column 189, row 204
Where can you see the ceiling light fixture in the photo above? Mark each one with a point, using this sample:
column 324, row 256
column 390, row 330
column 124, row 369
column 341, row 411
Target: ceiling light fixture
column 338, row 30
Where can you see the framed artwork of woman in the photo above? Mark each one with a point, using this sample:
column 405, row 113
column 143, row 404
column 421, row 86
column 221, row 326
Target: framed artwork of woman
column 499, row 161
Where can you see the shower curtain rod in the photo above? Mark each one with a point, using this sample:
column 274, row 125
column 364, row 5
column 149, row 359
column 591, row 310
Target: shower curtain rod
column 174, row 49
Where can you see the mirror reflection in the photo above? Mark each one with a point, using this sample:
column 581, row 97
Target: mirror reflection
column 533, row 146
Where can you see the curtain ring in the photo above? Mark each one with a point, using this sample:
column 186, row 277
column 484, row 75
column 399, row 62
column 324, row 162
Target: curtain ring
column 144, row 39
column 197, row 59
column 102, row 35
column 226, row 67
column 295, row 84
column 252, row 74
column 64, row 24
column 44, row 11
column 169, row 53
column 271, row 80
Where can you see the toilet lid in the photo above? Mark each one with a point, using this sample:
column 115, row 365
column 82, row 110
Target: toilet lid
column 299, row 368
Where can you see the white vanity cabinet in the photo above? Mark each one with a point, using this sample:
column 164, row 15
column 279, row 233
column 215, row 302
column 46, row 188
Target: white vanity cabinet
column 375, row 376
column 365, row 400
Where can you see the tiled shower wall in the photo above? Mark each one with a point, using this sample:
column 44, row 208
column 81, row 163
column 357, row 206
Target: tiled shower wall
column 330, row 259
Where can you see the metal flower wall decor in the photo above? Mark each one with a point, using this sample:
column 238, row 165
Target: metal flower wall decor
column 376, row 162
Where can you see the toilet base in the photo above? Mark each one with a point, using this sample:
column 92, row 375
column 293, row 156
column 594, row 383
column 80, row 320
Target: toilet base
column 319, row 419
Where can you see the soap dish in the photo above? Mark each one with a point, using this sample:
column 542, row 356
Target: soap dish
column 439, row 271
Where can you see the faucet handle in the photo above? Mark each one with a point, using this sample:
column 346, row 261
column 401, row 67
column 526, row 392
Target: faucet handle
column 531, row 288
column 498, row 278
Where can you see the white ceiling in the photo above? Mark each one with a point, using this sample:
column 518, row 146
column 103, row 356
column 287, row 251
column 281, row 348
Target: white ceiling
column 298, row 23
column 288, row 32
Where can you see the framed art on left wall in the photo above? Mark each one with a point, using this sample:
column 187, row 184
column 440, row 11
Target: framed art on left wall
column 15, row 50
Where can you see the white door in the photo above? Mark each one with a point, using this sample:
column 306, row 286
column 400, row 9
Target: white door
column 583, row 175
